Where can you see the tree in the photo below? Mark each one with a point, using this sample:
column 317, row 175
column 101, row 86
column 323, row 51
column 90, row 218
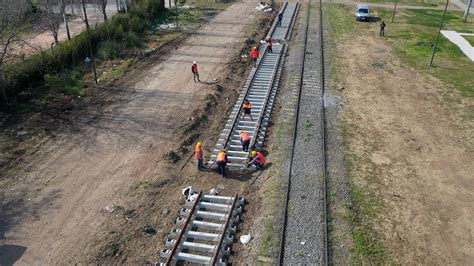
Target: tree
column 66, row 23
column 53, row 19
column 102, row 7
column 12, row 23
column 91, row 52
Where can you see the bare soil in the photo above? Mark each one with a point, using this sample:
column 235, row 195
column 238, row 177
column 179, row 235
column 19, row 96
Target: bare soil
column 53, row 198
column 410, row 143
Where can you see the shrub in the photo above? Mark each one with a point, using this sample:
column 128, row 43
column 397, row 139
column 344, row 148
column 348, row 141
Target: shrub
column 131, row 40
column 108, row 50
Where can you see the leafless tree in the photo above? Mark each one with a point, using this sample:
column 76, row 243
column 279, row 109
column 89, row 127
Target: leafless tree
column 63, row 13
column 12, row 23
column 53, row 18
column 102, row 5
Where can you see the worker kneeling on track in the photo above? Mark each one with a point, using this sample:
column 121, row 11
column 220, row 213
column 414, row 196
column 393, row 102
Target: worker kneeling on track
column 257, row 159
column 222, row 162
column 244, row 140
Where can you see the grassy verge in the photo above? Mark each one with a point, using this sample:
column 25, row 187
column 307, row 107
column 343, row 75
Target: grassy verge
column 413, row 36
column 427, row 3
column 470, row 39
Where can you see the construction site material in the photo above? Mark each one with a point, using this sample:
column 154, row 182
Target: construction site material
column 208, row 224
column 260, row 89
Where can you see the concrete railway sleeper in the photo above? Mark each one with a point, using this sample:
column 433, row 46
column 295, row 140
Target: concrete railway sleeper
column 206, row 228
column 306, row 243
column 260, row 90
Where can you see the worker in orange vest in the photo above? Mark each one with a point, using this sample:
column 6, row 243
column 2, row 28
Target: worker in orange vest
column 244, row 140
column 199, row 156
column 194, row 69
column 255, row 55
column 257, row 159
column 247, row 109
column 222, row 162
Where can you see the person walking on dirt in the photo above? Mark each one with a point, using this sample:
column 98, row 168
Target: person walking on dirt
column 244, row 140
column 222, row 162
column 382, row 29
column 247, row 109
column 269, row 45
column 257, row 159
column 199, row 156
column 255, row 55
column 280, row 18
column 194, row 69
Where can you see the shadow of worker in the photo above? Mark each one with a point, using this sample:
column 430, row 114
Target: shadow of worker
column 9, row 254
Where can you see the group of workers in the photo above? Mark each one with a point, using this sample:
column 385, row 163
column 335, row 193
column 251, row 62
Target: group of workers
column 256, row 158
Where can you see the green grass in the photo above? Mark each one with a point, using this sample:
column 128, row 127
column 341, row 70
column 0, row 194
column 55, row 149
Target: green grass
column 429, row 3
column 117, row 72
column 470, row 39
column 412, row 37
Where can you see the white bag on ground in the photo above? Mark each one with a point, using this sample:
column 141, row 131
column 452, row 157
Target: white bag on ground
column 245, row 239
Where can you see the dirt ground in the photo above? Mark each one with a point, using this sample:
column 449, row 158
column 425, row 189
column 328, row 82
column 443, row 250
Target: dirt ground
column 53, row 201
column 410, row 140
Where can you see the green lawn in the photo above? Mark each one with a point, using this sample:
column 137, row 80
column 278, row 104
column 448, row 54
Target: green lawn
column 413, row 36
column 432, row 3
column 470, row 39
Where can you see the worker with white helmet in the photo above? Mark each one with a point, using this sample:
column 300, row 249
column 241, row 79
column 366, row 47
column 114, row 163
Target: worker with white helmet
column 195, row 70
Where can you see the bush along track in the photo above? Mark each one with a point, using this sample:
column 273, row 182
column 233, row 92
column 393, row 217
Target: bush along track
column 61, row 67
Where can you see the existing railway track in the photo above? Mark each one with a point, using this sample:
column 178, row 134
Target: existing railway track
column 304, row 236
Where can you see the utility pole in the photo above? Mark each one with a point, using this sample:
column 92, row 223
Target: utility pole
column 394, row 10
column 89, row 40
column 439, row 33
column 467, row 10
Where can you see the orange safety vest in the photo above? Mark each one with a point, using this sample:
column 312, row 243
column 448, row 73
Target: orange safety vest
column 261, row 158
column 196, row 153
column 244, row 136
column 255, row 53
column 221, row 156
column 247, row 105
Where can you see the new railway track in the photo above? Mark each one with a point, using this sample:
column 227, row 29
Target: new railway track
column 260, row 89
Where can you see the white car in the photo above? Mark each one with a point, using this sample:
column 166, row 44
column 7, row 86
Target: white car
column 362, row 12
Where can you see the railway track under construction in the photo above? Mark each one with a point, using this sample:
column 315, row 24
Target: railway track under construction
column 260, row 90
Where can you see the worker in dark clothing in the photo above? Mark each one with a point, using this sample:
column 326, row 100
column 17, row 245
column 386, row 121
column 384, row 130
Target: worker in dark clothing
column 222, row 162
column 255, row 55
column 244, row 140
column 269, row 45
column 247, row 109
column 257, row 159
column 280, row 18
column 194, row 69
column 382, row 29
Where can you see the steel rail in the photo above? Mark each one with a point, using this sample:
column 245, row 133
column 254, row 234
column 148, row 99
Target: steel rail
column 293, row 143
column 275, row 22
column 221, row 240
column 267, row 97
column 323, row 140
column 181, row 233
column 323, row 137
column 241, row 102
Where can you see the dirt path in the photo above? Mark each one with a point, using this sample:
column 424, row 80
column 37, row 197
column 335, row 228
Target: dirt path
column 410, row 139
column 58, row 204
